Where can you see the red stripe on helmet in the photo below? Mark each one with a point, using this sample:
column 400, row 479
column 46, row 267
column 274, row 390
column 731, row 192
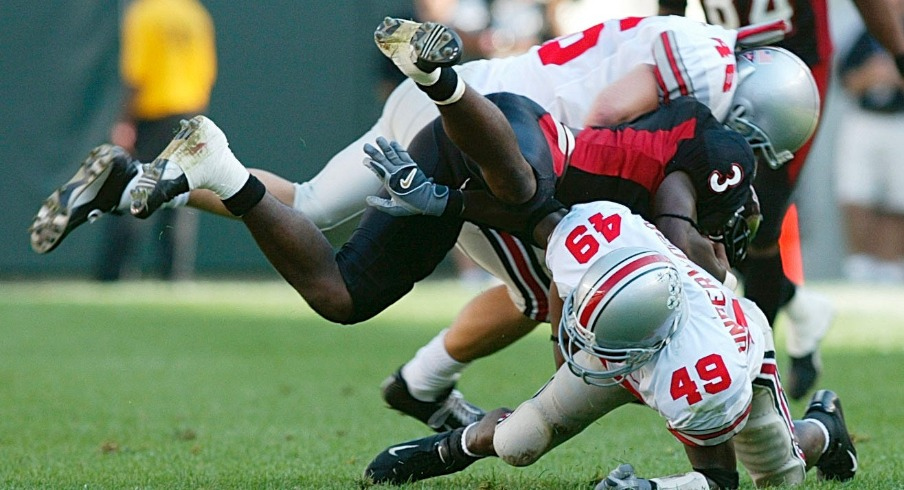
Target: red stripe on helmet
column 592, row 303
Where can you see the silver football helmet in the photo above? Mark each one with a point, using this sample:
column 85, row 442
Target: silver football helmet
column 626, row 308
column 776, row 104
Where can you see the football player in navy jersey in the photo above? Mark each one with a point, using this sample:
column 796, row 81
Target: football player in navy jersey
column 394, row 247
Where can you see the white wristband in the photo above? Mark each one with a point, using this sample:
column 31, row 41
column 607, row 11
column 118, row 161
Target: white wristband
column 459, row 91
column 731, row 282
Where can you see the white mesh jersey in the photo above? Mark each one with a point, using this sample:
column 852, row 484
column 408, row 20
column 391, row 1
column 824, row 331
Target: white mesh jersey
column 701, row 382
column 564, row 74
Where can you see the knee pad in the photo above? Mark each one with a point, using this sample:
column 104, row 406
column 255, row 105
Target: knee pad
column 766, row 446
column 524, row 436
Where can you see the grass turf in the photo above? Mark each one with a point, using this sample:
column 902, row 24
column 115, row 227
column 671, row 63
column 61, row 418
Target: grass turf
column 240, row 385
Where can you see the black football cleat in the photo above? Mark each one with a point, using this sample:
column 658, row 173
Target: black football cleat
column 450, row 411
column 802, row 375
column 428, row 457
column 95, row 189
column 839, row 461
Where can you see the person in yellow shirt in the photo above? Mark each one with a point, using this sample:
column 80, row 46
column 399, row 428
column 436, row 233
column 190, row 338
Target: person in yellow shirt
column 168, row 65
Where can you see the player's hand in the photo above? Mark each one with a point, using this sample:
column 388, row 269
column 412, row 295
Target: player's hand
column 411, row 192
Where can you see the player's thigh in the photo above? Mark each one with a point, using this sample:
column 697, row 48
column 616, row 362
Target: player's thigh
column 387, row 255
column 520, row 266
column 406, row 111
column 766, row 446
column 563, row 408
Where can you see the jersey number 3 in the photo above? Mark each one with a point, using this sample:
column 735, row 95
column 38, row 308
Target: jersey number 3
column 583, row 243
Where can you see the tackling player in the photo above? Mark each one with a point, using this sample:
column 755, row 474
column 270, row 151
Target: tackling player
column 765, row 282
column 641, row 322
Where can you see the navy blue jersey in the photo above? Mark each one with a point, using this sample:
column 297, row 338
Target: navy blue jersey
column 627, row 163
column 386, row 255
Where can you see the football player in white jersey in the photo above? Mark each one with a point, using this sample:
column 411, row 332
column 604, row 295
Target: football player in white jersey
column 641, row 322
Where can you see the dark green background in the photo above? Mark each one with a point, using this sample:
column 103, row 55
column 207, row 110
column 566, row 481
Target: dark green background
column 296, row 83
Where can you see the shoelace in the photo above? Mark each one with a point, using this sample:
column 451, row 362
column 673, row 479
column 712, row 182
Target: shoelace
column 454, row 406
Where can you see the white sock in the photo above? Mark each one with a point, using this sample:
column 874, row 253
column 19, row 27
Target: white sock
column 224, row 178
column 177, row 202
column 432, row 370
column 825, row 433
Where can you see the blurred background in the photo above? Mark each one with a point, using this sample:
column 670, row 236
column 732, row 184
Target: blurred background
column 296, row 81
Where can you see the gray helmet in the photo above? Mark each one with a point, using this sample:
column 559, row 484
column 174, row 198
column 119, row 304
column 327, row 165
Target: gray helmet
column 776, row 104
column 627, row 307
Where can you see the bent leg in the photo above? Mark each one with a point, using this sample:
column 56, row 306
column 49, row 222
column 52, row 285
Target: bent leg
column 487, row 324
column 561, row 410
column 302, row 256
column 280, row 188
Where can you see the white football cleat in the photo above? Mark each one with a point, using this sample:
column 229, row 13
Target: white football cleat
column 198, row 157
column 418, row 49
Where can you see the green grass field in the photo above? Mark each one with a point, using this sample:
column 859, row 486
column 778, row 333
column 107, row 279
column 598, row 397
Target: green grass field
column 239, row 385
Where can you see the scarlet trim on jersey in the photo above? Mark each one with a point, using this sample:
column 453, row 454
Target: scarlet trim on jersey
column 675, row 81
column 560, row 140
column 629, row 22
column 617, row 280
column 524, row 270
column 701, row 438
column 638, row 155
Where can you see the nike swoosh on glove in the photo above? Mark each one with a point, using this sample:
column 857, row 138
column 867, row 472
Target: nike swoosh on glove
column 411, row 192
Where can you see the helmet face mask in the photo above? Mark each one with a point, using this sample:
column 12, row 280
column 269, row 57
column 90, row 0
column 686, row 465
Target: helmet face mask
column 758, row 139
column 627, row 307
column 776, row 103
column 739, row 230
